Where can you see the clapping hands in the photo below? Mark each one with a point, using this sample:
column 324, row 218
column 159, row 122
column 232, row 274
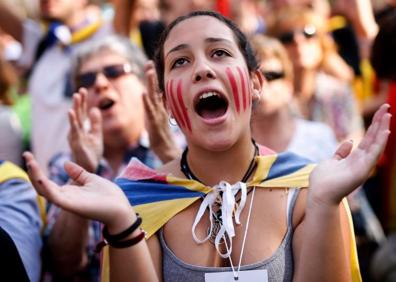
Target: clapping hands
column 85, row 135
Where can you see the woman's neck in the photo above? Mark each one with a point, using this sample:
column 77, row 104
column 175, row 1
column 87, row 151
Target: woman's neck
column 231, row 165
column 275, row 130
column 304, row 85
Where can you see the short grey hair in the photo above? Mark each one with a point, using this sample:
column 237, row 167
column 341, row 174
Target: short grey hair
column 115, row 44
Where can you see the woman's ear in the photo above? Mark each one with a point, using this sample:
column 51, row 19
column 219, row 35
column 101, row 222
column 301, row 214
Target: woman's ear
column 258, row 81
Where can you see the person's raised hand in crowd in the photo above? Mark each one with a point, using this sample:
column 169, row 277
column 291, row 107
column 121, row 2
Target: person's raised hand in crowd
column 161, row 138
column 361, row 15
column 85, row 136
column 334, row 179
column 89, row 196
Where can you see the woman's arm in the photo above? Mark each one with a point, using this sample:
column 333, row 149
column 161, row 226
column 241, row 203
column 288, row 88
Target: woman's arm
column 322, row 245
column 96, row 198
column 322, row 241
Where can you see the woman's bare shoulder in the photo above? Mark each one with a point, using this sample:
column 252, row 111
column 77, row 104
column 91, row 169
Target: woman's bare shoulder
column 172, row 167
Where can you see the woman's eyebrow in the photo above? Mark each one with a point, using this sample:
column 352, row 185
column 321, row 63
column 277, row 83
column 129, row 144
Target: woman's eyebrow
column 209, row 40
column 217, row 39
column 177, row 48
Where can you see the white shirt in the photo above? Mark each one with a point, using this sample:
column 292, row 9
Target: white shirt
column 50, row 95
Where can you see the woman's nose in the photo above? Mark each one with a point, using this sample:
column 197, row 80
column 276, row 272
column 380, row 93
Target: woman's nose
column 101, row 82
column 203, row 72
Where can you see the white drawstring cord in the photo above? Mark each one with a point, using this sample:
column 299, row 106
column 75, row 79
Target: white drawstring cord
column 227, row 209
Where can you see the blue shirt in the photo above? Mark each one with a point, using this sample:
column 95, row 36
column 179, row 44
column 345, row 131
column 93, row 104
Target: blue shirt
column 20, row 218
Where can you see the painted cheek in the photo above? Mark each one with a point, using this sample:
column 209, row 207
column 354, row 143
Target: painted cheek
column 243, row 87
column 234, row 87
column 173, row 105
column 182, row 105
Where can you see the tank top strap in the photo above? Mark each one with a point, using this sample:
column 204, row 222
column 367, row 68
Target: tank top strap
column 291, row 202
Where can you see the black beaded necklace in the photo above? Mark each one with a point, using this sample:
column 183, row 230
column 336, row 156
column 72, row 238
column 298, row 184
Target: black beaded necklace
column 185, row 168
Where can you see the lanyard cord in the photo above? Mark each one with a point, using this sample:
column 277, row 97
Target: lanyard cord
column 236, row 273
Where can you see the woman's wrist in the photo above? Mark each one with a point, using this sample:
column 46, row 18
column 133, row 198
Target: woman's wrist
column 121, row 221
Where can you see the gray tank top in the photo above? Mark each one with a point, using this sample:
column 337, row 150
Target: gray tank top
column 279, row 266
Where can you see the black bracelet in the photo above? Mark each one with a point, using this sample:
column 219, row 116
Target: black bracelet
column 117, row 237
column 128, row 243
column 122, row 244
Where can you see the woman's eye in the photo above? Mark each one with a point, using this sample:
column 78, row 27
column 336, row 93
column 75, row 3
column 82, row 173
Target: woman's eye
column 179, row 62
column 220, row 53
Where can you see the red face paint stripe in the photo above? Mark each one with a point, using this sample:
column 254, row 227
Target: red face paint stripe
column 177, row 113
column 234, row 87
column 249, row 91
column 182, row 105
column 241, row 76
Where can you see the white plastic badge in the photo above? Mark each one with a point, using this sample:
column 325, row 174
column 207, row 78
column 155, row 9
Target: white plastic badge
column 260, row 275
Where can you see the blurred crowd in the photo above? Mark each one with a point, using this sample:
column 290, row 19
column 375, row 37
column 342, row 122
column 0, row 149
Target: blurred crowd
column 77, row 83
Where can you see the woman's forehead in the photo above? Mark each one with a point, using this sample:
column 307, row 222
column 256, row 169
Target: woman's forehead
column 198, row 28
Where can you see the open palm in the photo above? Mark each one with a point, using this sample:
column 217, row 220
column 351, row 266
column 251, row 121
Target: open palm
column 334, row 179
column 89, row 196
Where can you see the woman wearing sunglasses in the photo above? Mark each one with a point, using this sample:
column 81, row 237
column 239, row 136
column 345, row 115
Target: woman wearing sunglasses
column 273, row 123
column 320, row 95
column 223, row 210
column 116, row 92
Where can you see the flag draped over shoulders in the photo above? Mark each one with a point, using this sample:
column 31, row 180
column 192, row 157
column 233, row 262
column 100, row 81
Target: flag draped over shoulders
column 157, row 197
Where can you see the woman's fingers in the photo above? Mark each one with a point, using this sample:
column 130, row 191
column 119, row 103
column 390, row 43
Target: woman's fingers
column 74, row 126
column 375, row 126
column 381, row 137
column 149, row 108
column 152, row 84
column 78, row 174
column 40, row 182
column 95, row 118
column 84, row 104
column 80, row 106
column 343, row 150
column 77, row 109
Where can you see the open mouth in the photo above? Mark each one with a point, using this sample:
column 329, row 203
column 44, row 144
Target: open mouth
column 106, row 104
column 211, row 105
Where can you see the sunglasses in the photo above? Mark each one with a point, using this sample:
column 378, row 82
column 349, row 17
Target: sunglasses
column 308, row 32
column 88, row 79
column 273, row 75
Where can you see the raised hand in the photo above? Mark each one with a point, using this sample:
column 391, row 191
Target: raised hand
column 161, row 139
column 85, row 135
column 90, row 196
column 334, row 179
